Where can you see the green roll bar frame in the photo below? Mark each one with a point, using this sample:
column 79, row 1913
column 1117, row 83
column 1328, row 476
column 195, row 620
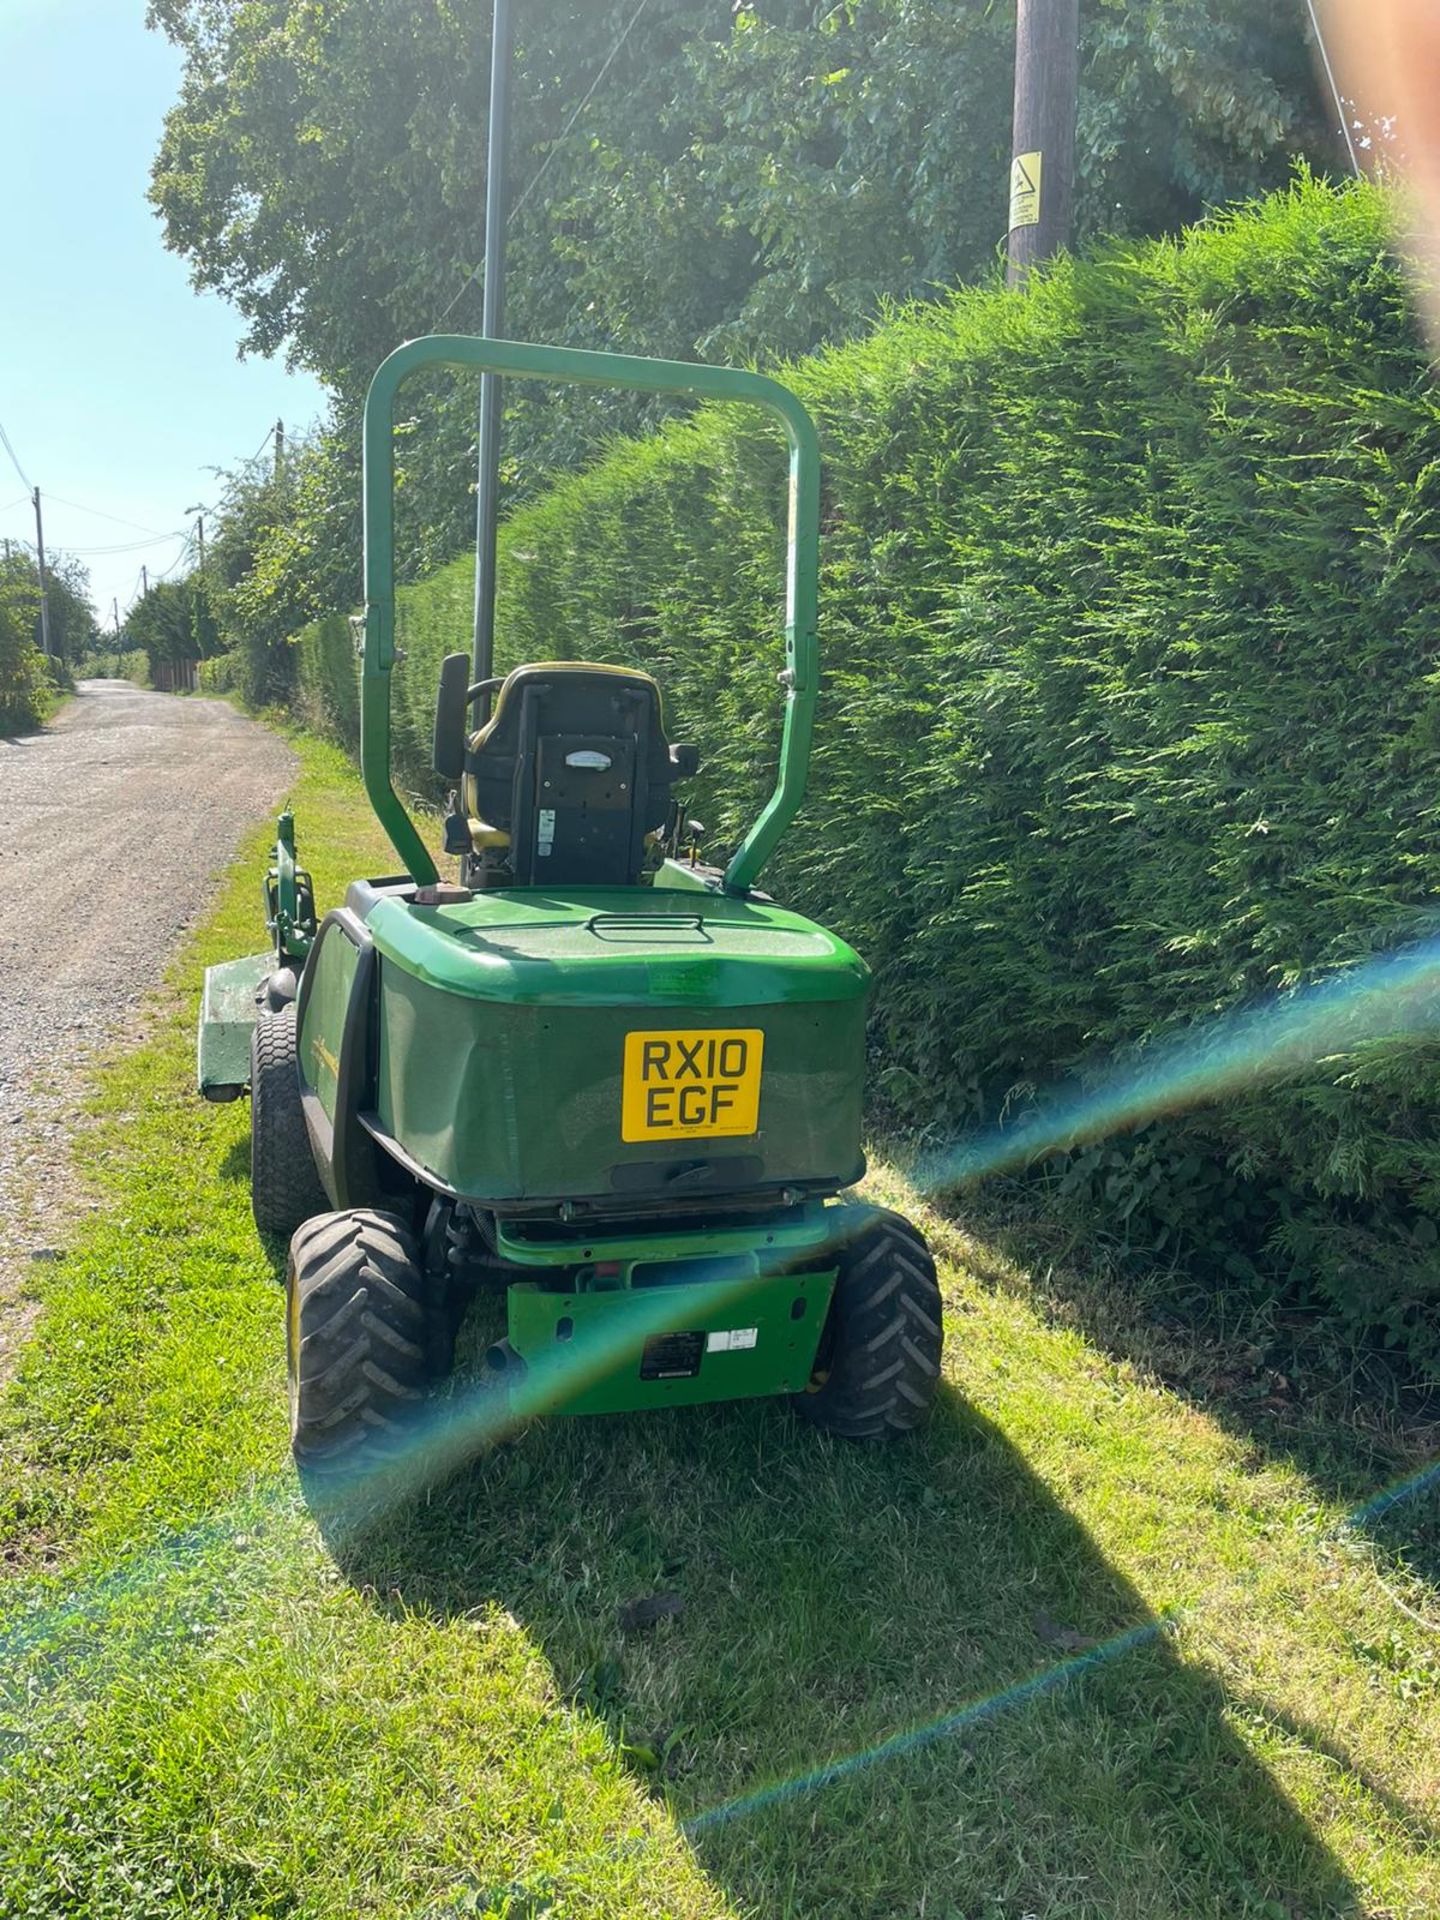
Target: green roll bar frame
column 567, row 366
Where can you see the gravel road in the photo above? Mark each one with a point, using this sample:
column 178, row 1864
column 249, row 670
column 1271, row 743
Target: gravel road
column 115, row 823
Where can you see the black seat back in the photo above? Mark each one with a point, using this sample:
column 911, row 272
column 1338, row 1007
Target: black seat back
column 575, row 768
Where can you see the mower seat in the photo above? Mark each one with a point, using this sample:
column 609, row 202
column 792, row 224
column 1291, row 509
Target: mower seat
column 571, row 775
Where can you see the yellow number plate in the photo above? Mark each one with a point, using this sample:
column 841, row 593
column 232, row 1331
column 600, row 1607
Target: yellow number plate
column 691, row 1086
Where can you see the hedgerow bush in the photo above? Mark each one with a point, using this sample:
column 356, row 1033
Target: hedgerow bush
column 23, row 684
column 116, row 663
column 327, row 690
column 218, row 674
column 1131, row 709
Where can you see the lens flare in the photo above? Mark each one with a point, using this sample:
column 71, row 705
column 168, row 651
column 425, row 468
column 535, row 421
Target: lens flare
column 1394, row 1496
column 1050, row 1680
column 1389, row 997
column 453, row 1430
column 1392, row 996
column 65, row 1633
column 448, row 1436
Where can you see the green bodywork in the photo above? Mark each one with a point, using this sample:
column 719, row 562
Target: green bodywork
column 743, row 1338
column 618, row 947
column 289, row 898
column 232, row 991
column 477, row 1047
column 502, row 1027
column 227, row 1020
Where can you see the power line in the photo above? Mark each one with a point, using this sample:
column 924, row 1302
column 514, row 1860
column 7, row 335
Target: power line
column 544, row 168
column 100, row 514
column 610, row 60
column 125, row 546
column 15, row 460
column 10, row 505
column 1339, row 98
column 179, row 560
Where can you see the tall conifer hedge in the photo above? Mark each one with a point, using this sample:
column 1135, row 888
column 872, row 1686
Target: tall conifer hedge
column 1130, row 617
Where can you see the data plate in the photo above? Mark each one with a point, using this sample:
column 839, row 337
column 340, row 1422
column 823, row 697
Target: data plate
column 672, row 1356
column 683, row 1085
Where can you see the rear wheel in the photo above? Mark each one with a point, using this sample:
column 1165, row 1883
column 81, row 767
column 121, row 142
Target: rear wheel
column 358, row 1340
column 878, row 1364
column 285, row 1189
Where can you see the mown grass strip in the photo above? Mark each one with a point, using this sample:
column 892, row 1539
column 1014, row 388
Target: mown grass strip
column 213, row 1709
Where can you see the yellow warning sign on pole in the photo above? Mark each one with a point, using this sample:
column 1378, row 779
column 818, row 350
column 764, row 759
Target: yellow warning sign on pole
column 1026, row 171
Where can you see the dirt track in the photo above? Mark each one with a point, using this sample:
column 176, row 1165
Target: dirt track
column 114, row 825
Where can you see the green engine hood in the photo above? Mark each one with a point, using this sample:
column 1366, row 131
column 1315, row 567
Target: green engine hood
column 618, row 947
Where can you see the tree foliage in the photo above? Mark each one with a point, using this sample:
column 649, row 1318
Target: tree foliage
column 163, row 623
column 27, row 679
column 74, row 629
column 751, row 182
column 22, row 665
column 747, row 182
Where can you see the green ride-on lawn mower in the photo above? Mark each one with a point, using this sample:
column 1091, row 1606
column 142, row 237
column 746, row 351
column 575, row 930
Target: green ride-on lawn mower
column 621, row 1087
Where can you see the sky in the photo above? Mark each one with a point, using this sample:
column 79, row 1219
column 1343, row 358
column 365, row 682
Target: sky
column 120, row 387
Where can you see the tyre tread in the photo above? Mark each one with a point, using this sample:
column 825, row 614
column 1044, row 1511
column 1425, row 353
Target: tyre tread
column 285, row 1188
column 362, row 1369
column 886, row 1333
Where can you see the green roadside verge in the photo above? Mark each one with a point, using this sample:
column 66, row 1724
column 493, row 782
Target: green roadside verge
column 1084, row 1648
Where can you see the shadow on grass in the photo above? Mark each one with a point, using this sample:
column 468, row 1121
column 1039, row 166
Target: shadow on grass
column 825, row 1598
column 234, row 1164
column 1351, row 1421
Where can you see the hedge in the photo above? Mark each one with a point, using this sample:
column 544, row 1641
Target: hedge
column 116, row 663
column 24, row 694
column 1131, row 709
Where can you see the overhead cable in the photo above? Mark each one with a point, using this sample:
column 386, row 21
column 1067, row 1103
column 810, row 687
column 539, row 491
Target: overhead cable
column 179, row 560
column 100, row 514
column 124, row 546
column 15, row 460
column 555, row 145
column 610, row 60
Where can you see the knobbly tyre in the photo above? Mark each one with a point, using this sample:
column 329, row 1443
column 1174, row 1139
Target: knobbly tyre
column 614, row 1083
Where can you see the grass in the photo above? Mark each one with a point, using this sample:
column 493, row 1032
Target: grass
column 1160, row 1675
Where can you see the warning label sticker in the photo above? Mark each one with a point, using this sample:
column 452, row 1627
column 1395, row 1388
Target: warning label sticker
column 1026, row 172
column 733, row 1340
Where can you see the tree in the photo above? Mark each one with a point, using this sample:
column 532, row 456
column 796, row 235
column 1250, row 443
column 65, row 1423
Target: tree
column 74, row 630
column 746, row 183
column 162, row 622
column 22, row 665
column 753, row 186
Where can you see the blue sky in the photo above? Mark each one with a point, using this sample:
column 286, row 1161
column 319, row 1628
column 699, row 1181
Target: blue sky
column 120, row 387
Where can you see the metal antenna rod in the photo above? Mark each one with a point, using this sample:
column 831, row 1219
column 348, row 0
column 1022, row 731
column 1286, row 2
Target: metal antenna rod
column 487, row 500
column 1340, row 107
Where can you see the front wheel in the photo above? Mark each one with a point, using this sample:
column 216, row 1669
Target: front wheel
column 878, row 1363
column 285, row 1187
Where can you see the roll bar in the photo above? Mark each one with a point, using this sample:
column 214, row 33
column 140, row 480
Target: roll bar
column 567, row 366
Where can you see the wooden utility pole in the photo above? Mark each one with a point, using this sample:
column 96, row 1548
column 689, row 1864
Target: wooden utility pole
column 44, row 577
column 144, row 581
column 1042, row 167
column 279, row 448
